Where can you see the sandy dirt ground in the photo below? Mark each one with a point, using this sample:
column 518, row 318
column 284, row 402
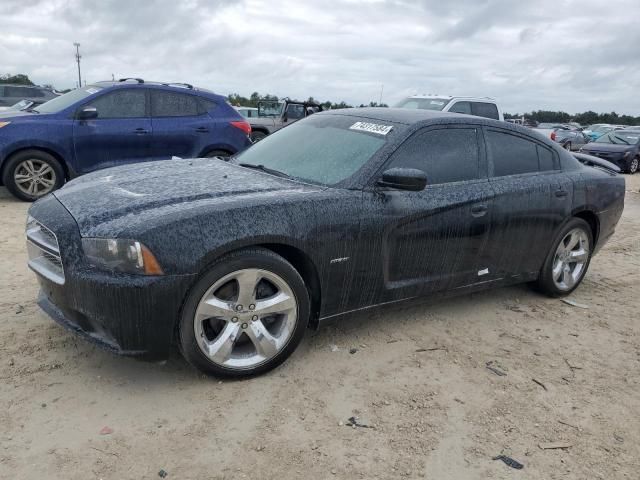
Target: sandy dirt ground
column 418, row 378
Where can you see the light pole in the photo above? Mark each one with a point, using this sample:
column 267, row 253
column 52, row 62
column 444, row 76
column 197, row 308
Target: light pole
column 77, row 45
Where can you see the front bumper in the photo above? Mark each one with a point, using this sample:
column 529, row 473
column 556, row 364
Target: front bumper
column 615, row 158
column 131, row 315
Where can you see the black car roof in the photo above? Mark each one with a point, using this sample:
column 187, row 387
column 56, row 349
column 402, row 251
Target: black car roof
column 418, row 117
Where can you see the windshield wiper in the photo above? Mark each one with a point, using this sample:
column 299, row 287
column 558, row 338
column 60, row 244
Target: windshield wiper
column 262, row 168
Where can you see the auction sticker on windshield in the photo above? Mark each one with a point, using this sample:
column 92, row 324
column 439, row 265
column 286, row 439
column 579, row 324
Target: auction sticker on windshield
column 371, row 128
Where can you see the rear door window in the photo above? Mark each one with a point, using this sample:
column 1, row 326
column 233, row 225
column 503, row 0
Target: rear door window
column 484, row 109
column 121, row 104
column 445, row 155
column 461, row 107
column 171, row 104
column 514, row 155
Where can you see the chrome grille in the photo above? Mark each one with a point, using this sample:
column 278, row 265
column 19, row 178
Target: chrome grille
column 44, row 251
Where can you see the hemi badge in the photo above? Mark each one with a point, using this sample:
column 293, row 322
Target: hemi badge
column 483, row 272
column 339, row 260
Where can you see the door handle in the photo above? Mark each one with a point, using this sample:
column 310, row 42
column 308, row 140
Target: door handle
column 141, row 131
column 561, row 193
column 479, row 210
column 202, row 130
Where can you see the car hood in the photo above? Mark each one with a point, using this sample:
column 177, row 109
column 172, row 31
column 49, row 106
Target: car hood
column 130, row 194
column 10, row 114
column 606, row 147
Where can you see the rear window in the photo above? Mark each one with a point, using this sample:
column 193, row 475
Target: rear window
column 324, row 149
column 170, row 104
column 483, row 109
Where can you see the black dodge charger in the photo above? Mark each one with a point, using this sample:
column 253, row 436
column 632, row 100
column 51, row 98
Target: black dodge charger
column 341, row 212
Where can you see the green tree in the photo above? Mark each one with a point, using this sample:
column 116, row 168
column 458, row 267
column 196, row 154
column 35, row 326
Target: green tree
column 18, row 79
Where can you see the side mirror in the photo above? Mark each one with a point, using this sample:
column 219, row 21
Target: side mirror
column 88, row 113
column 404, row 179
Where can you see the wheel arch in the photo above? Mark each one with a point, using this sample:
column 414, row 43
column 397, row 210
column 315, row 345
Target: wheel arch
column 52, row 152
column 591, row 218
column 300, row 260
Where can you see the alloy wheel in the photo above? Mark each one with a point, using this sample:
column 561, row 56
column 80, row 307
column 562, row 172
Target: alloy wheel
column 633, row 166
column 245, row 318
column 570, row 260
column 34, row 177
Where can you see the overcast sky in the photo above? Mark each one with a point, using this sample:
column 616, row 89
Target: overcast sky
column 559, row 54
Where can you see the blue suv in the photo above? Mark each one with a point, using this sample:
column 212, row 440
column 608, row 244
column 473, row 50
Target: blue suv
column 113, row 123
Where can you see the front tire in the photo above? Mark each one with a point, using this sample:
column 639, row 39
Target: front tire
column 31, row 174
column 568, row 260
column 634, row 164
column 245, row 316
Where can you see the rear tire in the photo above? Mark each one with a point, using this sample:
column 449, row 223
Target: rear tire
column 257, row 135
column 567, row 146
column 634, row 164
column 568, row 259
column 31, row 174
column 218, row 153
column 245, row 316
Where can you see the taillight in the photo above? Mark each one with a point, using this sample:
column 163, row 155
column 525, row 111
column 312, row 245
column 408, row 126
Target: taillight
column 553, row 136
column 242, row 125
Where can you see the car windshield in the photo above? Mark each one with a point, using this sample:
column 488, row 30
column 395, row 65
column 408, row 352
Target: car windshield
column 322, row 149
column 63, row 101
column 423, row 103
column 601, row 128
column 620, row 138
column 270, row 109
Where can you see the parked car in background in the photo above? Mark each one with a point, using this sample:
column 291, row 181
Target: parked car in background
column 621, row 147
column 25, row 105
column 569, row 137
column 247, row 112
column 275, row 114
column 344, row 211
column 113, row 123
column 597, row 130
column 478, row 106
column 12, row 94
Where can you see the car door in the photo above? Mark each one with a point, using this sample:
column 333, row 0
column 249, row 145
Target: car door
column 434, row 239
column 532, row 199
column 181, row 125
column 120, row 134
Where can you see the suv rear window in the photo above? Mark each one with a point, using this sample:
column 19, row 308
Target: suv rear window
column 171, row 104
column 483, row 109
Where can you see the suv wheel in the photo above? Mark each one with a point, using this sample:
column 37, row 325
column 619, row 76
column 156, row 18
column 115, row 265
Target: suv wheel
column 218, row 153
column 31, row 174
column 568, row 260
column 245, row 316
column 257, row 135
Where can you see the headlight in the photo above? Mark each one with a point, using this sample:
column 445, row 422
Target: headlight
column 4, row 124
column 120, row 255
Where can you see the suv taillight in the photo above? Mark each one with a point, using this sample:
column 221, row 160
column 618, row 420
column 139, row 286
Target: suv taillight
column 242, row 125
column 553, row 136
